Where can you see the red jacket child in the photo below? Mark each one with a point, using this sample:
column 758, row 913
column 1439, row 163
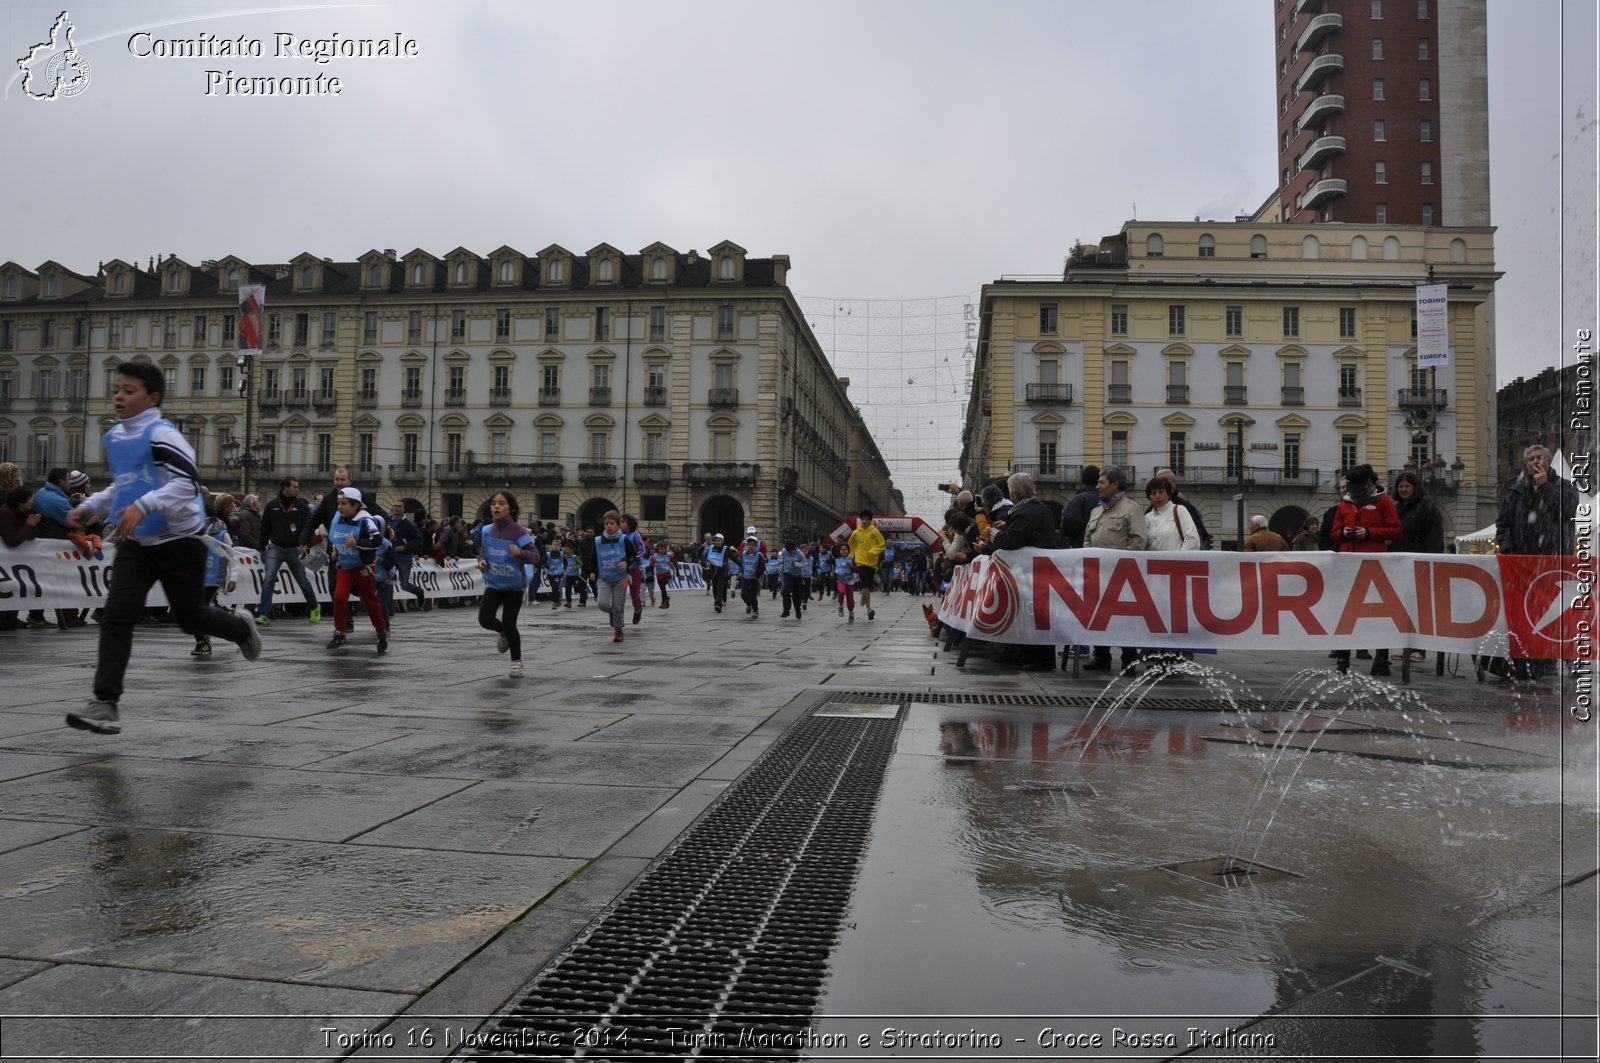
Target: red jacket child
column 1366, row 521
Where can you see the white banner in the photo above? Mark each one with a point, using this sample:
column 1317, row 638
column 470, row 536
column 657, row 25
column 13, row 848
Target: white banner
column 252, row 303
column 1433, row 325
column 1527, row 606
column 55, row 574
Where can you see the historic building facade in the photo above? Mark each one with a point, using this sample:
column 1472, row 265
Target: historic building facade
column 1250, row 358
column 684, row 387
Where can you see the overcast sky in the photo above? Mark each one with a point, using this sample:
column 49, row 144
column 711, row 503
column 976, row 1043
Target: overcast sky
column 902, row 153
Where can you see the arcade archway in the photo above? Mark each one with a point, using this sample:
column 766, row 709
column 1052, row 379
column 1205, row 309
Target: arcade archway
column 721, row 513
column 590, row 512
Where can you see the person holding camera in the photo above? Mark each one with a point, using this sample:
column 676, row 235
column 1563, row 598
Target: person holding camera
column 1364, row 522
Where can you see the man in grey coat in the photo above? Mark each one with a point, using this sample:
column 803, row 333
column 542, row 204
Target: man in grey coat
column 1117, row 523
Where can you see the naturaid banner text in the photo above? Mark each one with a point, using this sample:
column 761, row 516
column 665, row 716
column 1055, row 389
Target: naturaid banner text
column 1516, row 605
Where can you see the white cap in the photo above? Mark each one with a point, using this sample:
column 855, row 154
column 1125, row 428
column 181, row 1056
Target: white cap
column 750, row 530
column 719, row 535
column 352, row 493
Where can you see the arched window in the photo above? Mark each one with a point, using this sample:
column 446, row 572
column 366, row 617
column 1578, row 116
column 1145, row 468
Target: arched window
column 307, row 276
column 555, row 272
column 658, row 269
column 419, row 274
column 1208, row 246
column 725, row 268
column 116, row 282
column 1458, row 250
column 605, row 269
column 1391, row 248
column 1309, row 247
column 461, row 273
column 1153, row 246
column 1358, row 248
column 233, row 279
column 1258, row 246
column 375, row 274
column 506, row 271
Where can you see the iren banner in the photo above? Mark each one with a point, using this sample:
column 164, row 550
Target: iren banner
column 1527, row 606
column 54, row 574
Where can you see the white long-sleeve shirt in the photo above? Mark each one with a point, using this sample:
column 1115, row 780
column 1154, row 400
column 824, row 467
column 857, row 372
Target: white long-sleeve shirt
column 176, row 470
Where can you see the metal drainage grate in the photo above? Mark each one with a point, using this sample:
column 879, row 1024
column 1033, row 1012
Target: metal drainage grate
column 1228, row 872
column 1057, row 701
column 722, row 948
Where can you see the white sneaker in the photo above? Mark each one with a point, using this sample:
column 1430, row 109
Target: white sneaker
column 516, row 669
column 98, row 716
column 501, row 645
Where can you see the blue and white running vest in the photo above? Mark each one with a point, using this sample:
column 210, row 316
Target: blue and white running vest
column 664, row 564
column 842, row 571
column 715, row 554
column 750, row 564
column 135, row 470
column 504, row 572
column 607, row 553
column 214, row 560
column 793, row 562
column 340, row 529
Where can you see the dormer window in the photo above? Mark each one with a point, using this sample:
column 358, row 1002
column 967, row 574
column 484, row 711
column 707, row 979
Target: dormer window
column 233, row 279
column 725, row 268
column 606, row 271
column 461, row 273
column 658, row 268
column 375, row 274
column 11, row 287
column 556, row 274
column 307, row 277
column 419, row 273
column 118, row 282
column 506, row 272
column 177, row 281
column 52, row 286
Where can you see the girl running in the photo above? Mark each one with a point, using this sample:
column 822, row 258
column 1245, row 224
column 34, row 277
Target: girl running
column 504, row 544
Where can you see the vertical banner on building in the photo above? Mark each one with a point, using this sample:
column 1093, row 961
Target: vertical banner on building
column 1433, row 325
column 252, row 297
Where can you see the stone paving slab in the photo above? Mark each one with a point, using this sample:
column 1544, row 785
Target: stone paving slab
column 18, row 765
column 18, row 833
column 251, row 800
column 513, row 757
column 20, row 723
column 384, row 919
column 677, row 729
column 207, row 1015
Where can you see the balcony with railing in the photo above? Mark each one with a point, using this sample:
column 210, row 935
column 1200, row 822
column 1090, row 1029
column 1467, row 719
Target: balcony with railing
column 1050, row 394
column 722, row 397
column 1053, row 472
column 1226, row 476
column 597, row 472
column 325, row 400
column 297, row 398
column 1323, row 107
column 652, row 472
column 655, row 395
column 547, row 472
column 1235, row 394
column 452, row 472
column 367, row 398
column 271, row 401
column 1119, row 392
column 1177, row 394
column 408, row 473
column 1349, row 396
column 411, row 397
column 1320, row 69
column 1320, row 149
column 499, row 396
column 1301, row 7
column 1318, row 28
column 741, row 473
column 455, row 396
column 1423, row 398
column 1293, row 396
column 549, row 396
column 1322, row 191
column 600, row 396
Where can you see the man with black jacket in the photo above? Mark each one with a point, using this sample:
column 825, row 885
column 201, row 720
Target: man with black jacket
column 409, row 545
column 1075, row 514
column 284, row 523
column 327, row 510
column 1028, row 523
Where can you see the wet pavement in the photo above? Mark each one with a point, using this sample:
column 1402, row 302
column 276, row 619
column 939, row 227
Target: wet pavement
column 307, row 854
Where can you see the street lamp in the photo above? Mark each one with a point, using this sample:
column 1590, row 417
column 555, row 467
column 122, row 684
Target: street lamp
column 1455, row 472
column 257, row 456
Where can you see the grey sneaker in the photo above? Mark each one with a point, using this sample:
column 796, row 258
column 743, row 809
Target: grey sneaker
column 250, row 646
column 97, row 716
column 501, row 645
column 516, row 670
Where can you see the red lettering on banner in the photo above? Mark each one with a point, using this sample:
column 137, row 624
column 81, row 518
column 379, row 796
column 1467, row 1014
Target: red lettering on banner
column 1370, row 576
column 1274, row 602
column 1049, row 579
column 964, row 593
column 1127, row 574
column 1448, row 572
column 1249, row 603
column 1422, row 577
column 1178, row 587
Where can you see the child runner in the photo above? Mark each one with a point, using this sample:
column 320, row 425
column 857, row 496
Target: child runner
column 504, row 545
column 716, row 557
column 750, row 565
column 844, row 575
column 219, row 563
column 356, row 539
column 866, row 545
column 795, row 585
column 575, row 576
column 641, row 553
column 555, row 573
column 613, row 556
column 775, row 574
column 663, row 570
column 155, row 501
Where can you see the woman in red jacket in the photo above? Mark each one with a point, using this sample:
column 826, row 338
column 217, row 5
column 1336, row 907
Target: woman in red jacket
column 1365, row 522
